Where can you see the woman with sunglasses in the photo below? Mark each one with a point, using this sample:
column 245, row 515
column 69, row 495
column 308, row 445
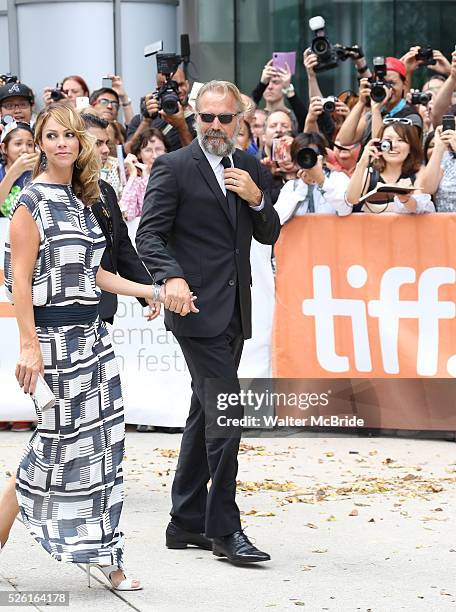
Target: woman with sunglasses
column 397, row 165
column 439, row 176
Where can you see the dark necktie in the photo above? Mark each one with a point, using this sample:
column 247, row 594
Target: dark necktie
column 230, row 195
column 310, row 195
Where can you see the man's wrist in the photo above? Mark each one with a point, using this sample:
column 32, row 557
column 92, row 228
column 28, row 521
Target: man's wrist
column 126, row 101
column 257, row 201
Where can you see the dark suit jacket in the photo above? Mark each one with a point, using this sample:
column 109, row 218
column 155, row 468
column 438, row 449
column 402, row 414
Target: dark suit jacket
column 185, row 231
column 120, row 255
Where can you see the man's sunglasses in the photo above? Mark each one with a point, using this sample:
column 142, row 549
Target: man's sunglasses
column 224, row 118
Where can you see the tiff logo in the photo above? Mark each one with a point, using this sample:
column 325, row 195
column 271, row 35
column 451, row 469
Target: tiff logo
column 389, row 309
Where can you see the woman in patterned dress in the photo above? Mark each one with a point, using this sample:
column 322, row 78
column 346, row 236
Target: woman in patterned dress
column 439, row 176
column 68, row 486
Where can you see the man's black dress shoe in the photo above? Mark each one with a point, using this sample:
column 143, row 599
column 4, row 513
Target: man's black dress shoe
column 238, row 549
column 176, row 537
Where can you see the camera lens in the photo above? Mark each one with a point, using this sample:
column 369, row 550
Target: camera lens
column 306, row 158
column 170, row 102
column 378, row 93
column 329, row 106
column 386, row 145
column 320, row 46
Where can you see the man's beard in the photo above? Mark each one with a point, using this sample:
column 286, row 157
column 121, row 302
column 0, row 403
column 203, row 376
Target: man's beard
column 223, row 146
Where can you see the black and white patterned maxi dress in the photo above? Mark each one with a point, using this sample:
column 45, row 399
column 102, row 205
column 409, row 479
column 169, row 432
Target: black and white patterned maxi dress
column 69, row 481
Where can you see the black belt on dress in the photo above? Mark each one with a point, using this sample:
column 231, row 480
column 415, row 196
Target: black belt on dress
column 58, row 316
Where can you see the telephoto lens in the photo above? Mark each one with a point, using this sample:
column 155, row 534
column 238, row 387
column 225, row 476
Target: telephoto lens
column 306, row 158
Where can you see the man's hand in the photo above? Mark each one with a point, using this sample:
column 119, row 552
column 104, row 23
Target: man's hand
column 152, row 105
column 177, row 120
column 409, row 59
column 285, row 75
column 315, row 108
column 154, row 310
column 178, row 297
column 268, row 73
column 310, row 62
column 364, row 91
column 241, row 182
column 118, row 86
column 313, row 176
column 442, row 65
column 453, row 66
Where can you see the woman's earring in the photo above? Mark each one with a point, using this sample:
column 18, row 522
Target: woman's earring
column 43, row 160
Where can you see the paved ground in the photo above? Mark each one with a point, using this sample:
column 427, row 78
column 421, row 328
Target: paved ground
column 351, row 524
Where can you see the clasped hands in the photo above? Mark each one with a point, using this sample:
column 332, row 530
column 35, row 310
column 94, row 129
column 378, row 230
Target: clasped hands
column 176, row 297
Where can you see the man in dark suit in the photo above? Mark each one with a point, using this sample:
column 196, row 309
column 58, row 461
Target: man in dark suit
column 202, row 206
column 120, row 255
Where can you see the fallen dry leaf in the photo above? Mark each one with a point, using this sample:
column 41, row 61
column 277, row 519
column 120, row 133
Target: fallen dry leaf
column 354, row 512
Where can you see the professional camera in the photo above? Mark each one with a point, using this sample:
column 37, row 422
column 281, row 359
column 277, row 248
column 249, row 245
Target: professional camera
column 378, row 83
column 306, row 158
column 8, row 78
column 426, row 55
column 329, row 104
column 384, row 146
column 168, row 93
column 421, row 97
column 57, row 93
column 329, row 55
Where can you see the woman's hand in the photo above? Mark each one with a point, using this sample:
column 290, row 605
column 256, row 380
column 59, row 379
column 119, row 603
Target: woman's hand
column 285, row 75
column 130, row 165
column 29, row 365
column 448, row 138
column 24, row 163
column 342, row 109
column 370, row 152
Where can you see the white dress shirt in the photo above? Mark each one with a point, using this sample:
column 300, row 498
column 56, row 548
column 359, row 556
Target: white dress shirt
column 215, row 162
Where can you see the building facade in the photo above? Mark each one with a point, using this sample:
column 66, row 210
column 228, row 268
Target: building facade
column 44, row 40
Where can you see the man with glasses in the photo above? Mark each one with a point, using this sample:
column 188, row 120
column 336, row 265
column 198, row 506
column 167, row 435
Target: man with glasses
column 177, row 128
column 16, row 101
column 106, row 102
column 203, row 205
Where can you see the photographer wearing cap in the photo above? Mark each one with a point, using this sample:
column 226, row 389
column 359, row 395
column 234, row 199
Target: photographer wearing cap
column 362, row 125
column 16, row 101
column 177, row 127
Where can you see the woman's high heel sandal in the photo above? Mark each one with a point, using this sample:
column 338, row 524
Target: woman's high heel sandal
column 107, row 570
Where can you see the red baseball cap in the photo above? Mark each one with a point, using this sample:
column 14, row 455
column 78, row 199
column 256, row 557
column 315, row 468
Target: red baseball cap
column 392, row 63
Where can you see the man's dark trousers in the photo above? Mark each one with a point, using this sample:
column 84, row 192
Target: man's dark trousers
column 202, row 457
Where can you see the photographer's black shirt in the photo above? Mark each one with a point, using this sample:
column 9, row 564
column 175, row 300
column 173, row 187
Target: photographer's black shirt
column 170, row 133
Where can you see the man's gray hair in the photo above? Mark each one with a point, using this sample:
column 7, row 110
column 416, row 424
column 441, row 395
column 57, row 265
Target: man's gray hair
column 223, row 88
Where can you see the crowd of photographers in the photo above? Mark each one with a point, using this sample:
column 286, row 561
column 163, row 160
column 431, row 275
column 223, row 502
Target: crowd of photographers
column 382, row 148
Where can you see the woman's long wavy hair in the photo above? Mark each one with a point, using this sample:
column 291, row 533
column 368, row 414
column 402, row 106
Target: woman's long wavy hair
column 86, row 168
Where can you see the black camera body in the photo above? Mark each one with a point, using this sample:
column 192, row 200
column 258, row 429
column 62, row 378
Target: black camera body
column 426, row 55
column 306, row 158
column 168, row 93
column 8, row 78
column 329, row 55
column 57, row 93
column 378, row 83
column 421, row 97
